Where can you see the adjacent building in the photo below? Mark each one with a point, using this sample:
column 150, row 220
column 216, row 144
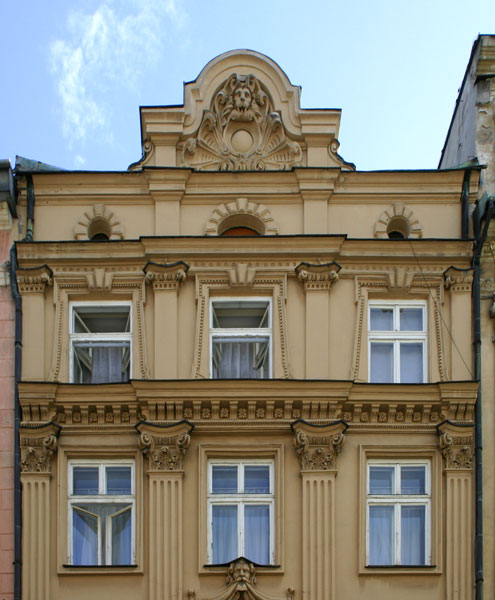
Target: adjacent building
column 247, row 367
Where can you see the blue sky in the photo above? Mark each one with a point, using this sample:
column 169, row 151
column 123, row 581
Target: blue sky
column 74, row 72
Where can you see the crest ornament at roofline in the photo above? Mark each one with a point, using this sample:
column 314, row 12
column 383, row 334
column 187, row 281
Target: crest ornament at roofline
column 241, row 132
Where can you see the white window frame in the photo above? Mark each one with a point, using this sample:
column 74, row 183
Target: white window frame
column 103, row 498
column 396, row 336
column 397, row 500
column 247, row 332
column 240, row 500
column 95, row 337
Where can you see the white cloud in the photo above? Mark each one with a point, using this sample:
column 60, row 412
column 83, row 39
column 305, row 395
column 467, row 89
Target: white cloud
column 79, row 160
column 108, row 49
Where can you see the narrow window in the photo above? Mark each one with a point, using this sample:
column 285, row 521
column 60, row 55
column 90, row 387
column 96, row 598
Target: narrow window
column 398, row 513
column 241, row 334
column 101, row 513
column 101, row 337
column 240, row 511
column 397, row 342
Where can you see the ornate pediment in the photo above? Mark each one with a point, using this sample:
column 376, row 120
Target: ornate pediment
column 241, row 132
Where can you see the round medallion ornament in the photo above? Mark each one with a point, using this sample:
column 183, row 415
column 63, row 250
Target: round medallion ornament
column 242, row 141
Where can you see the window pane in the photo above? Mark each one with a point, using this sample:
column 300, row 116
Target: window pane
column 224, row 479
column 382, row 480
column 382, row 363
column 118, row 480
column 412, row 480
column 101, row 362
column 84, row 480
column 84, row 537
column 240, row 358
column 411, row 319
column 257, row 479
column 382, row 319
column 257, row 533
column 411, row 363
column 101, row 319
column 381, row 535
column 121, row 538
column 224, row 533
column 240, row 314
column 412, row 535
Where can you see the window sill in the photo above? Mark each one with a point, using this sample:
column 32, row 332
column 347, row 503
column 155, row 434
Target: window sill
column 400, row 570
column 100, row 569
column 210, row 569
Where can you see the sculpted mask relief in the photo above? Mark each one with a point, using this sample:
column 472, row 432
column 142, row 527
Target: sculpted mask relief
column 241, row 132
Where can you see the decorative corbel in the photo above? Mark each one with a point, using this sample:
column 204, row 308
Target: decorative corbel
column 241, row 583
column 164, row 446
column 167, row 276
column 34, row 279
column 318, row 276
column 456, row 445
column 38, row 447
column 318, row 446
column 458, row 280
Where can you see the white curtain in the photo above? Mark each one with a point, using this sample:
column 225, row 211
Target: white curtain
column 412, row 535
column 240, row 359
column 381, row 535
column 411, row 363
column 257, row 534
column 84, row 538
column 121, row 538
column 107, row 364
column 382, row 363
column 224, row 532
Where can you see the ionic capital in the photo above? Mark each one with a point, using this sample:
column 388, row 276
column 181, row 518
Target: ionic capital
column 166, row 276
column 164, row 446
column 318, row 446
column 38, row 447
column 458, row 280
column 318, row 276
column 34, row 279
column 456, row 445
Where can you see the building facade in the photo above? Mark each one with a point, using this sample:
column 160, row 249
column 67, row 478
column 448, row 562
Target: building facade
column 247, row 368
column 470, row 141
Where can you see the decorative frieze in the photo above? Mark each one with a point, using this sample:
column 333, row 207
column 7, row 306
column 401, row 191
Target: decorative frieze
column 318, row 446
column 241, row 583
column 458, row 280
column 164, row 446
column 166, row 276
column 456, row 445
column 38, row 447
column 34, row 280
column 318, row 276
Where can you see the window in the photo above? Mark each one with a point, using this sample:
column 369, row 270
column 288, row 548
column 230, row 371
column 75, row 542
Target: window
column 397, row 342
column 241, row 334
column 100, row 338
column 398, row 509
column 240, row 511
column 101, row 513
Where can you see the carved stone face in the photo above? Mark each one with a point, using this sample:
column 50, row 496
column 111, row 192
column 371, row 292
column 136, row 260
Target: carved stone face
column 241, row 571
column 242, row 98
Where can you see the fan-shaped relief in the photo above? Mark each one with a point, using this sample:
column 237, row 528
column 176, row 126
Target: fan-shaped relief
column 241, row 132
column 398, row 222
column 97, row 224
column 241, row 214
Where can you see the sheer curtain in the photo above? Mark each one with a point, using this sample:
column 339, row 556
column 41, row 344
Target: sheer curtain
column 257, row 534
column 85, row 537
column 224, row 533
column 413, row 535
column 238, row 359
column 121, row 538
column 107, row 364
column 381, row 532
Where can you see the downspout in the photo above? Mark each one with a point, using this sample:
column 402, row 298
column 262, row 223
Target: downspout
column 479, row 240
column 14, row 290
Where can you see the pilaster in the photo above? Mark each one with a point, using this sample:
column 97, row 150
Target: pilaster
column 166, row 280
column 317, row 280
column 317, row 448
column 38, row 448
column 32, row 283
column 165, row 448
column 456, row 445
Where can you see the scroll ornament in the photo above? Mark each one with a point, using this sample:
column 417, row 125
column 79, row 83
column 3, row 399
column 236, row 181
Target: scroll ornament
column 37, row 454
column 241, row 132
column 457, row 452
column 318, row 446
column 164, row 453
column 241, row 582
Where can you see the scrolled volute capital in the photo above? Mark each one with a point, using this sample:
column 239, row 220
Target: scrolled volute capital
column 318, row 276
column 164, row 446
column 318, row 446
column 38, row 446
column 458, row 280
column 34, row 279
column 166, row 275
column 456, row 445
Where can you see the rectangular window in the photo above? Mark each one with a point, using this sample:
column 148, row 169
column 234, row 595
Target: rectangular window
column 101, row 342
column 240, row 511
column 101, row 513
column 397, row 342
column 398, row 511
column 240, row 341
